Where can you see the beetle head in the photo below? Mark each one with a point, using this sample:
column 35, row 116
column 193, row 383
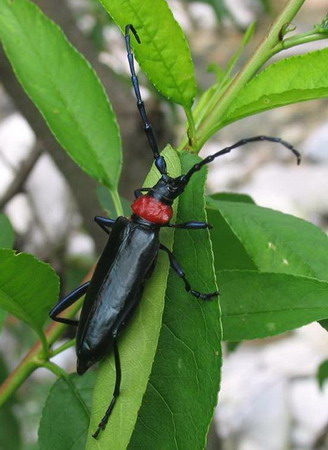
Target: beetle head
column 167, row 189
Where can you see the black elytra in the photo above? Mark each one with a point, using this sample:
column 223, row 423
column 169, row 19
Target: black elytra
column 130, row 255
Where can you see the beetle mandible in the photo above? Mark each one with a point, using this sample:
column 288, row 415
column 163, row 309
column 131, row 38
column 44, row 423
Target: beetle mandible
column 113, row 293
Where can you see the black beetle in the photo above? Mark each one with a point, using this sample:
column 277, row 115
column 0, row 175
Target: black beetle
column 113, row 293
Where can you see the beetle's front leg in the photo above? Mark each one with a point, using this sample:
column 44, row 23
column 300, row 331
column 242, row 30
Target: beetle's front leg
column 66, row 302
column 178, row 269
column 104, row 223
column 189, row 225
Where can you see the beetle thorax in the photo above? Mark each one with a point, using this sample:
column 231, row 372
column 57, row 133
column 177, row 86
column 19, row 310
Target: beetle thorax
column 150, row 208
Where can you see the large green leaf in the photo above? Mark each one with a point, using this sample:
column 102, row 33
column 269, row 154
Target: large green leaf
column 163, row 396
column 256, row 305
column 137, row 347
column 66, row 414
column 260, row 238
column 163, row 54
column 182, row 391
column 296, row 79
column 7, row 235
column 64, row 87
column 28, row 288
column 7, row 238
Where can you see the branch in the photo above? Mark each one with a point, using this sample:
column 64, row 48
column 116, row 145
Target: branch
column 21, row 175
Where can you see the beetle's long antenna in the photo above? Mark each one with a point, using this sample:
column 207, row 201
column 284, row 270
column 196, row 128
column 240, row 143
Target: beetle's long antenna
column 159, row 160
column 185, row 178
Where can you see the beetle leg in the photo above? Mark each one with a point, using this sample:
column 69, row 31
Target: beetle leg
column 116, row 393
column 66, row 302
column 104, row 223
column 190, row 225
column 178, row 269
column 138, row 192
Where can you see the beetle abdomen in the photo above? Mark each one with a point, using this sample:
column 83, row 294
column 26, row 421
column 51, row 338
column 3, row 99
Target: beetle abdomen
column 115, row 289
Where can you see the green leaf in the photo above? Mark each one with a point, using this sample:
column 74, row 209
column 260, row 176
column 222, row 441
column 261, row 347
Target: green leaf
column 267, row 240
column 137, row 347
column 66, row 413
column 324, row 324
column 163, row 54
column 7, row 235
column 322, row 374
column 296, row 79
column 64, row 87
column 156, row 408
column 229, row 251
column 228, row 197
column 7, row 238
column 2, row 317
column 256, row 305
column 28, row 288
column 182, row 391
column 10, row 433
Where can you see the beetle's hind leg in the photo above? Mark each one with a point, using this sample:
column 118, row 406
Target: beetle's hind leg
column 178, row 269
column 116, row 393
column 66, row 302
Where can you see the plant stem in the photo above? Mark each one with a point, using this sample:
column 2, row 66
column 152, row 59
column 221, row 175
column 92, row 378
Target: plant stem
column 191, row 127
column 63, row 347
column 117, row 202
column 219, row 105
column 18, row 376
column 55, row 369
column 299, row 39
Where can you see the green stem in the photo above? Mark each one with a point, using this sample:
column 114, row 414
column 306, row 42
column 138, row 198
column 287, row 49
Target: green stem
column 58, row 371
column 117, row 202
column 63, row 347
column 16, row 378
column 191, row 127
column 219, row 105
column 299, row 39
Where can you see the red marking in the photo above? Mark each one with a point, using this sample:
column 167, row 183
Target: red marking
column 151, row 209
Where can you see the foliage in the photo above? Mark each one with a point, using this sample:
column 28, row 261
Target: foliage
column 270, row 281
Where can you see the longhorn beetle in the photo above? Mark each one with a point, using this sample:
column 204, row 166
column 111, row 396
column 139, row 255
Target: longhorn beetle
column 113, row 293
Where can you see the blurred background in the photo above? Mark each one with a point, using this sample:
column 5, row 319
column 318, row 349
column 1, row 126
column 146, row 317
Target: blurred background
column 270, row 397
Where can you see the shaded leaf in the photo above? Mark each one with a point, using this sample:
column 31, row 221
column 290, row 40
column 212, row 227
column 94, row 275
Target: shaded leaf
column 256, row 305
column 28, row 288
column 229, row 251
column 64, row 87
column 10, row 434
column 66, row 413
column 229, row 197
column 7, row 235
column 322, row 374
column 164, row 53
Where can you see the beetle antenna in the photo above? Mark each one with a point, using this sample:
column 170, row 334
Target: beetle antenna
column 240, row 143
column 159, row 160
